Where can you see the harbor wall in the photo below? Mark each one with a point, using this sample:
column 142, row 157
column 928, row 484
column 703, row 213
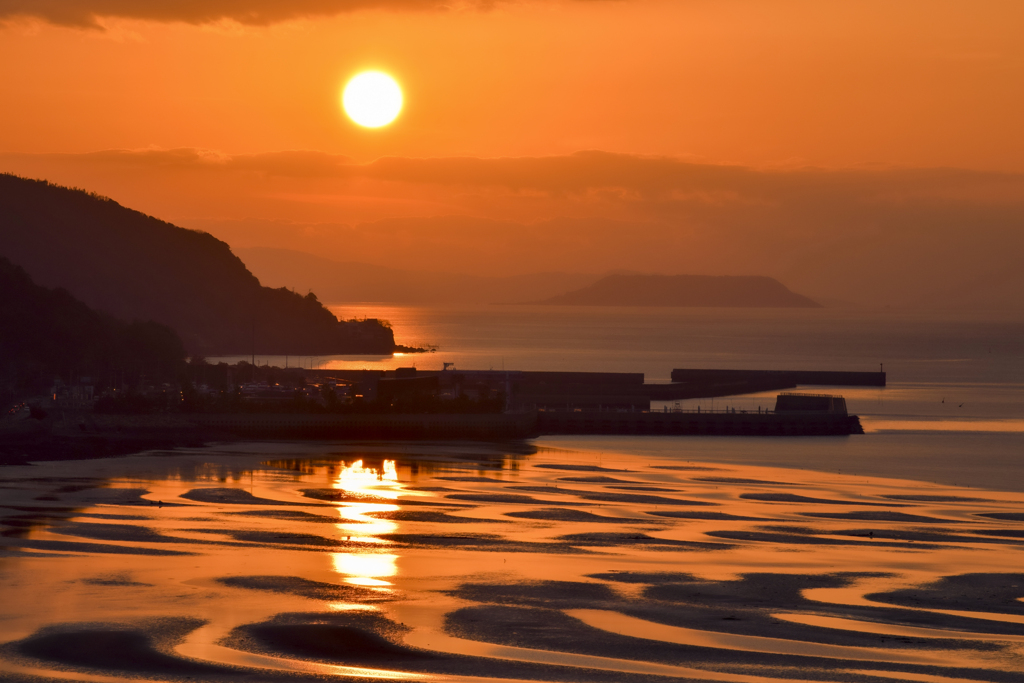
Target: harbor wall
column 678, row 391
column 527, row 424
column 369, row 426
column 711, row 424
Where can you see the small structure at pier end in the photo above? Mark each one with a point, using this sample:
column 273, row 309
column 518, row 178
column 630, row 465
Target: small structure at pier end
column 794, row 415
column 810, row 403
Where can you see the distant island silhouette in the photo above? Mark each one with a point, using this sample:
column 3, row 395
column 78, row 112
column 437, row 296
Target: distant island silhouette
column 135, row 267
column 723, row 291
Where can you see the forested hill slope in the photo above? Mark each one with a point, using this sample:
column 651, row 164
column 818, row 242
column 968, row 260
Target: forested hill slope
column 47, row 333
column 725, row 291
column 134, row 266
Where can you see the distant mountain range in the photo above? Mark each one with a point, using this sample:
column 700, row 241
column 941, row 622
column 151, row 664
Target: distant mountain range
column 723, row 291
column 135, row 267
column 338, row 281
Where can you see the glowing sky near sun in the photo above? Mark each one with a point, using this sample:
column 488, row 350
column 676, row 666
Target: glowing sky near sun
column 736, row 137
column 748, row 82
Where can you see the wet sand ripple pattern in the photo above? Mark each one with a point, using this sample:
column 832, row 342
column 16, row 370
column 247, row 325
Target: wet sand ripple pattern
column 508, row 566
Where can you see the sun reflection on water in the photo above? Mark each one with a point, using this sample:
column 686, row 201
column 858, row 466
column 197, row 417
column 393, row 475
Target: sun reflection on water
column 350, row 607
column 380, row 483
column 368, row 481
column 365, row 569
column 357, row 524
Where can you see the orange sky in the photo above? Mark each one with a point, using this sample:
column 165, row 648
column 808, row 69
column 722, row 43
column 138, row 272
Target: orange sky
column 751, row 82
column 196, row 111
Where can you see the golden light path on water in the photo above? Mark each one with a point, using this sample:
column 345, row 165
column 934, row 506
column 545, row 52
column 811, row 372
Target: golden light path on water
column 485, row 558
column 365, row 569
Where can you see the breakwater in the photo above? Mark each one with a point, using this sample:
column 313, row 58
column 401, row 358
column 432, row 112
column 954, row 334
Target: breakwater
column 679, row 391
column 588, row 391
column 370, row 426
column 86, row 436
column 703, row 423
column 528, row 424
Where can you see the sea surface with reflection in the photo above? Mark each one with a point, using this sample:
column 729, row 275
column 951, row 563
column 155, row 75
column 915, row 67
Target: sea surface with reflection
column 266, row 561
column 953, row 409
column 895, row 555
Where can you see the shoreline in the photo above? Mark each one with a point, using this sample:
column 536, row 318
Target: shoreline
column 601, row 561
column 87, row 435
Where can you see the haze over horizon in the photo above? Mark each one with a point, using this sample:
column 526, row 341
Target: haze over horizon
column 864, row 152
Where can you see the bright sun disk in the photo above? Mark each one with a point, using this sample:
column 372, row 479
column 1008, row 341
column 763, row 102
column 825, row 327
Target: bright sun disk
column 372, row 99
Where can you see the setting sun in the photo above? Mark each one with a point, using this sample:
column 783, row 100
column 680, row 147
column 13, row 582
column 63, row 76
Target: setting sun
column 372, row 99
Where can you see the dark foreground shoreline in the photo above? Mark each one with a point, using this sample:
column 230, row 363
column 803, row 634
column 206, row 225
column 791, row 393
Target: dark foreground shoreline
column 568, row 566
column 25, row 448
column 84, row 435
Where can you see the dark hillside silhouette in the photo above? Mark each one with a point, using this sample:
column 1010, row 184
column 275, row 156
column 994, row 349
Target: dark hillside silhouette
column 134, row 266
column 726, row 291
column 47, row 334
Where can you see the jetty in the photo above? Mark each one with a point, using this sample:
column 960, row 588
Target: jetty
column 704, row 383
column 794, row 415
column 448, row 404
column 703, row 423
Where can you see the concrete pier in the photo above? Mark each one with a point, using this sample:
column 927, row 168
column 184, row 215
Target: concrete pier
column 371, row 426
column 527, row 424
column 705, row 423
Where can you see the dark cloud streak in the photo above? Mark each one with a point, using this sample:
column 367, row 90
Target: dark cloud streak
column 874, row 235
column 633, row 177
column 90, row 13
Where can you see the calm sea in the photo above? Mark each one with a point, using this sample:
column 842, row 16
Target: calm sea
column 953, row 410
column 624, row 554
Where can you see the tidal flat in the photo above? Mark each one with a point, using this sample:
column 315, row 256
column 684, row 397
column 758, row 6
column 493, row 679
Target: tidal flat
column 475, row 562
